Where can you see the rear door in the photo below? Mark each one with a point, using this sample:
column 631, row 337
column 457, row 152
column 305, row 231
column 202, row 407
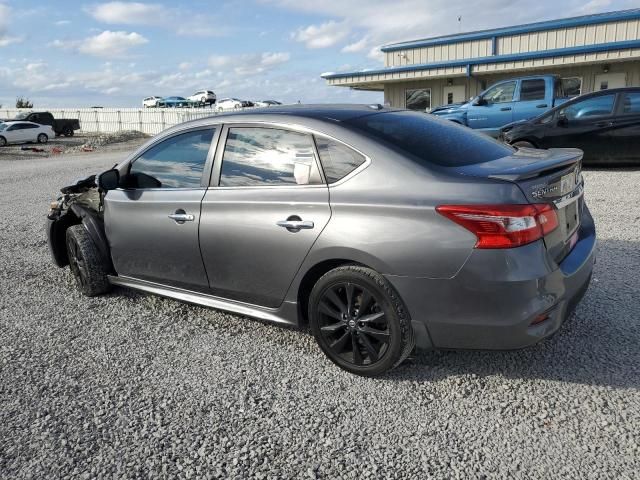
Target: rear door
column 531, row 100
column 152, row 222
column 586, row 124
column 266, row 207
column 626, row 134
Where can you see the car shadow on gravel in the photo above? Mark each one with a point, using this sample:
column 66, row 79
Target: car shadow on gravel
column 598, row 345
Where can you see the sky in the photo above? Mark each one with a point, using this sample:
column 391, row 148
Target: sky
column 61, row 53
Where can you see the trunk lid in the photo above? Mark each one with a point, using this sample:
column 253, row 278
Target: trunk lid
column 551, row 176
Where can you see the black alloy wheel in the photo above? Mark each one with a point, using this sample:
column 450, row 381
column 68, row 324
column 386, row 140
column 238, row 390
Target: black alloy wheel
column 353, row 324
column 359, row 321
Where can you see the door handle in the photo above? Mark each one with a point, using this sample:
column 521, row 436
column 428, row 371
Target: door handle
column 505, row 109
column 542, row 105
column 181, row 216
column 604, row 124
column 295, row 224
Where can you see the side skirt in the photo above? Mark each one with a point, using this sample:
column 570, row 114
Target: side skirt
column 282, row 315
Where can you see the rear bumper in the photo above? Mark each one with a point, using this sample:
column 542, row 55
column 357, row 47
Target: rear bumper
column 492, row 301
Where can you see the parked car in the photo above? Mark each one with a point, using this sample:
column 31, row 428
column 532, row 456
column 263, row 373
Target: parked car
column 605, row 125
column 383, row 229
column 174, row 102
column 151, row 102
column 24, row 132
column 229, row 104
column 266, row 103
column 203, row 97
column 61, row 126
column 505, row 102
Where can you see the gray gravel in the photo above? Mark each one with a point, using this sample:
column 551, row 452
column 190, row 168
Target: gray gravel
column 131, row 385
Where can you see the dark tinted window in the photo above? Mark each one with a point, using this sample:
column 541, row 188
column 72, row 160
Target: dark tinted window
column 631, row 103
column 177, row 162
column 268, row 156
column 590, row 107
column 26, row 126
column 431, row 140
column 532, row 90
column 418, row 99
column 337, row 159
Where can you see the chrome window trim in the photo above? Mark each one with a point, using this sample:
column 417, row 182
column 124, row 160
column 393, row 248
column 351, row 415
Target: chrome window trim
column 295, row 128
column 206, row 169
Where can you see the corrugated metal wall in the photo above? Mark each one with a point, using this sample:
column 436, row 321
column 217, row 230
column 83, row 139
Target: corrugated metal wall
column 394, row 92
column 439, row 53
column 147, row 120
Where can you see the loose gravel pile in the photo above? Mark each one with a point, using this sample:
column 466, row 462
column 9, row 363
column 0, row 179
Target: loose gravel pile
column 131, row 385
column 100, row 140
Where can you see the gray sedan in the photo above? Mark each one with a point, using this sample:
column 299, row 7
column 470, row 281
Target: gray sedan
column 381, row 229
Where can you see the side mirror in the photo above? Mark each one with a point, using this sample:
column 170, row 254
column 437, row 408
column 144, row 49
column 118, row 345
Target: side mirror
column 109, row 180
column 479, row 102
column 562, row 120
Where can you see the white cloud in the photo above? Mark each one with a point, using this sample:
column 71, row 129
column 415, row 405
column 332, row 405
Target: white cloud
column 358, row 46
column 321, row 36
column 62, row 23
column 179, row 20
column 5, row 20
column 128, row 13
column 107, row 44
column 249, row 63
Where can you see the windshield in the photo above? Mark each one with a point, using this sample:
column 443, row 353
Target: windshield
column 431, row 140
column 3, row 126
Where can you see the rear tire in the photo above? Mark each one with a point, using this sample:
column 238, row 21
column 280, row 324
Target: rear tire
column 359, row 321
column 43, row 138
column 85, row 262
column 523, row 144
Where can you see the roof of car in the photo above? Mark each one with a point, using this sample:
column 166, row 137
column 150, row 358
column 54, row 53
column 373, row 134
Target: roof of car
column 333, row 112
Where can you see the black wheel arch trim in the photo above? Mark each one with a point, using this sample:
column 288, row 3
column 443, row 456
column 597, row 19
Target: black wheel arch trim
column 56, row 233
column 95, row 228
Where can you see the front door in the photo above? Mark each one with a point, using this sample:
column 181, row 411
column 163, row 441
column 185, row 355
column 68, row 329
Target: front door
column 152, row 222
column 607, row 81
column 586, row 124
column 265, row 209
column 494, row 108
column 453, row 94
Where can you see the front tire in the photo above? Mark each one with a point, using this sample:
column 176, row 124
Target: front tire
column 3, row 141
column 85, row 263
column 43, row 138
column 359, row 321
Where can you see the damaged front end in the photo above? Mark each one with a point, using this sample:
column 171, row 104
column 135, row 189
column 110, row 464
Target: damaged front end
column 80, row 203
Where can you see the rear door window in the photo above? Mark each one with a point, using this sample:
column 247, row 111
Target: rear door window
column 337, row 159
column 631, row 103
column 256, row 156
column 430, row 140
column 532, row 90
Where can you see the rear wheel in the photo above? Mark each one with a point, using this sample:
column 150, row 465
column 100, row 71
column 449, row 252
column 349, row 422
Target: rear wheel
column 523, row 144
column 85, row 262
column 43, row 138
column 359, row 321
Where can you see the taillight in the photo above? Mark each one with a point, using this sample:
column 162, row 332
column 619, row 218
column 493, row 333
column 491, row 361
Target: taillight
column 503, row 226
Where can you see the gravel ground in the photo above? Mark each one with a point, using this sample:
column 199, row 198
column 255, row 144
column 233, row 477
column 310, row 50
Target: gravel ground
column 132, row 385
column 103, row 142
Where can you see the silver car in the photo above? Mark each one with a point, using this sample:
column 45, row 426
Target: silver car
column 381, row 229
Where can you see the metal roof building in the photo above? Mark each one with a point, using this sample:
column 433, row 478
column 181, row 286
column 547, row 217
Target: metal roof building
column 590, row 53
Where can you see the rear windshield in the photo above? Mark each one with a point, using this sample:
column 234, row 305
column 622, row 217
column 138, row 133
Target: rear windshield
column 430, row 140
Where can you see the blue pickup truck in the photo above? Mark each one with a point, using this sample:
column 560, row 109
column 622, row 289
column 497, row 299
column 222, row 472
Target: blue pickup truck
column 505, row 102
